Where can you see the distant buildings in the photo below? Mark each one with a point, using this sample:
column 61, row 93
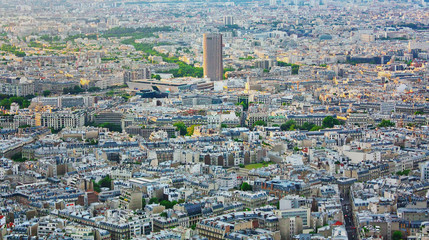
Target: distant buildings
column 138, row 74
column 109, row 117
column 228, row 20
column 62, row 119
column 425, row 171
column 16, row 86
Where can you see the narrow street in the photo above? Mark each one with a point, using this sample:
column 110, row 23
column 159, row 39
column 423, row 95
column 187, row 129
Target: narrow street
column 348, row 217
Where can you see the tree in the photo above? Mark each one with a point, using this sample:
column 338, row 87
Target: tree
column 418, row 113
column 259, row 123
column 156, row 76
column 7, row 100
column 223, row 125
column 94, row 89
column 111, row 126
column 163, row 214
column 153, row 200
column 167, row 204
column 286, row 126
column 20, row 54
column 403, row 173
column 307, row 126
column 18, row 157
column 181, row 127
column 74, row 90
column 245, row 187
column 397, row 235
column 143, row 202
column 46, row 93
column 106, row 182
column 386, row 123
column 315, row 128
column 190, row 130
column 244, row 104
column 330, row 122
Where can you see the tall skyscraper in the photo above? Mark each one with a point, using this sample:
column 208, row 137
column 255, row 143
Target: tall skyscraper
column 212, row 62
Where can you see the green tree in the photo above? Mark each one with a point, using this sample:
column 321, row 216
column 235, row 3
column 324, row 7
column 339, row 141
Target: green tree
column 111, row 126
column 315, row 128
column 167, row 204
column 259, row 123
column 190, row 130
column 46, row 93
column 163, row 214
column 106, row 182
column 307, row 126
column 245, row 187
column 223, row 125
column 74, row 90
column 153, row 200
column 330, row 122
column 403, row 173
column 94, row 89
column 181, row 127
column 286, row 126
column 386, row 123
column 418, row 113
column 18, row 157
column 244, row 104
column 156, row 76
column 7, row 100
column 397, row 235
column 143, row 203
column 96, row 187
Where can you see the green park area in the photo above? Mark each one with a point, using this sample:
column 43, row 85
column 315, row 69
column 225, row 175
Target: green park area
column 257, row 165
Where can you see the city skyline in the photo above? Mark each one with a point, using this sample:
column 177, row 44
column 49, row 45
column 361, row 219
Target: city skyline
column 214, row 120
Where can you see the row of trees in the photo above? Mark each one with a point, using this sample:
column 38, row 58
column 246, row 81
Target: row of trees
column 136, row 33
column 7, row 100
column 290, row 125
column 12, row 49
column 295, row 67
column 73, row 90
column 386, row 123
column 184, row 70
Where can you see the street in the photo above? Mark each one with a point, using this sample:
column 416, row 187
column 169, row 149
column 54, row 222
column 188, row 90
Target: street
column 348, row 217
